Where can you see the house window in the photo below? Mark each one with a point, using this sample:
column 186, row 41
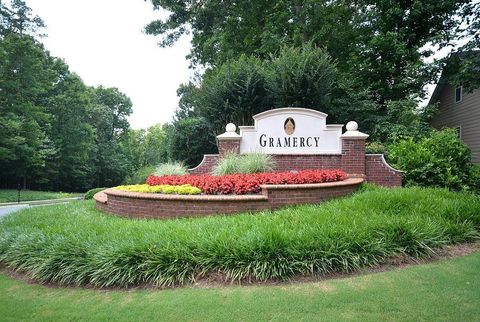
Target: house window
column 458, row 129
column 458, row 94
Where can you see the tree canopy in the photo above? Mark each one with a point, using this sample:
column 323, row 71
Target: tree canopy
column 381, row 44
column 55, row 131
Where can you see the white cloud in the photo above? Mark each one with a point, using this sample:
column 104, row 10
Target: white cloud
column 102, row 41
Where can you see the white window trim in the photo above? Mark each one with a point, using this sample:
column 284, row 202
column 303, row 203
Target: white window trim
column 455, row 94
column 459, row 131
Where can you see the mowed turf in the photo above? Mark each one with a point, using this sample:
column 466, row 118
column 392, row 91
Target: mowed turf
column 441, row 291
column 75, row 244
column 10, row 195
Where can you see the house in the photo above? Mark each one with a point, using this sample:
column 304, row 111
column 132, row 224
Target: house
column 459, row 110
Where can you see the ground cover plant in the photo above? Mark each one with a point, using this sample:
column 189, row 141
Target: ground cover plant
column 185, row 189
column 448, row 291
column 75, row 244
column 10, row 195
column 247, row 183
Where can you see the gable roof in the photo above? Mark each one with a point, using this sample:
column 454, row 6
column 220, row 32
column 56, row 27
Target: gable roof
column 443, row 81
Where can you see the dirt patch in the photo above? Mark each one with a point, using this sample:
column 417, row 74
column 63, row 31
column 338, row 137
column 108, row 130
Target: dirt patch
column 219, row 280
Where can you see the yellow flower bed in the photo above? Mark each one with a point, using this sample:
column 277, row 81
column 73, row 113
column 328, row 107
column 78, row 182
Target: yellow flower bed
column 185, row 189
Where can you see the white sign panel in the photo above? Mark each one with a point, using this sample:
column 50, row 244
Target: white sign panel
column 291, row 131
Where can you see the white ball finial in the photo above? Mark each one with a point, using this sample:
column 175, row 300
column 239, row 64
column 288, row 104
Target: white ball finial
column 352, row 126
column 230, row 127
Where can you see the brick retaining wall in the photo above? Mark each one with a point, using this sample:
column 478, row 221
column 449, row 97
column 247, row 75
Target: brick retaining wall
column 147, row 205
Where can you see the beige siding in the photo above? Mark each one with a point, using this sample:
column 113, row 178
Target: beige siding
column 465, row 114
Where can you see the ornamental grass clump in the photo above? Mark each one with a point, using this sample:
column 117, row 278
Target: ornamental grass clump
column 74, row 244
column 228, row 164
column 255, row 162
column 171, row 168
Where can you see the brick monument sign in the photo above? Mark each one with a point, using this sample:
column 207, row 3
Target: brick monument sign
column 300, row 139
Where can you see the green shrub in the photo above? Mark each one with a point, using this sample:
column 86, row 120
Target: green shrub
column 171, row 168
column 185, row 189
column 375, row 148
column 141, row 175
column 244, row 163
column 438, row 160
column 342, row 235
column 475, row 178
column 90, row 193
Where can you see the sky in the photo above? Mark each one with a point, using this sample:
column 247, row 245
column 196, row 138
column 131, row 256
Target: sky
column 103, row 42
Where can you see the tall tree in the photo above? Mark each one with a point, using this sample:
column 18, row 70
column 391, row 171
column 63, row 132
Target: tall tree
column 378, row 43
column 27, row 75
column 18, row 18
column 71, row 167
column 108, row 116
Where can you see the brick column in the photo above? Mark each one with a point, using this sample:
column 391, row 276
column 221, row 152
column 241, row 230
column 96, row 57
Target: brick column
column 229, row 142
column 353, row 151
column 228, row 145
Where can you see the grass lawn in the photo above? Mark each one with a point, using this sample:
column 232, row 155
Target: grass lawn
column 10, row 195
column 441, row 291
column 74, row 244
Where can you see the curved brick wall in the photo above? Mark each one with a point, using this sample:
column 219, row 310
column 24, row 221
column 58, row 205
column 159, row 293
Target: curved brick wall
column 208, row 162
column 145, row 205
column 378, row 171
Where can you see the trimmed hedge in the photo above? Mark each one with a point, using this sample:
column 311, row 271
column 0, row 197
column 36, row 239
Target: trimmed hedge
column 247, row 183
column 185, row 189
column 74, row 244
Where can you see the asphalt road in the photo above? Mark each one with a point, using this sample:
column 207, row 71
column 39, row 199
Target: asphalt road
column 9, row 209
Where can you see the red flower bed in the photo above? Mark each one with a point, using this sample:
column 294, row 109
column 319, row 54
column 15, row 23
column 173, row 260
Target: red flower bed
column 247, row 183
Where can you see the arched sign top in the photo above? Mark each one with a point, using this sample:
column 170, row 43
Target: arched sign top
column 296, row 110
column 291, row 130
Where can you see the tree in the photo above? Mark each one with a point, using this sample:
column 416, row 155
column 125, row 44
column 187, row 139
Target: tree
column 233, row 92
column 155, row 151
column 18, row 19
column 110, row 109
column 304, row 77
column 463, row 66
column 191, row 138
column 71, row 167
column 27, row 74
column 55, row 132
column 380, row 44
column 301, row 77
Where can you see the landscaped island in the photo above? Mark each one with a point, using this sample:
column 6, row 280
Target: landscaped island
column 199, row 195
column 74, row 244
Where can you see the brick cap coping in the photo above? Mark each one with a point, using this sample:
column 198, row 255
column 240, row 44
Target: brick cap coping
column 346, row 182
column 102, row 196
column 384, row 162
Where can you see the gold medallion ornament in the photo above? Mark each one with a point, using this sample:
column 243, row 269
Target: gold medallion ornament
column 289, row 126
